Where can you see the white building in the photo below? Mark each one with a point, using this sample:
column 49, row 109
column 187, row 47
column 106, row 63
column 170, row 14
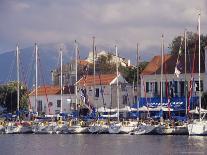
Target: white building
column 123, row 61
column 172, row 85
column 102, row 91
column 49, row 100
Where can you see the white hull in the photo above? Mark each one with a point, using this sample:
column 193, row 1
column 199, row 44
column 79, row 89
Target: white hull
column 177, row 130
column 197, row 128
column 2, row 129
column 98, row 129
column 12, row 129
column 77, row 129
column 144, row 129
column 114, row 128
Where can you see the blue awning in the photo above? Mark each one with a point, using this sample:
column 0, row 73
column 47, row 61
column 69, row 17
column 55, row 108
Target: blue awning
column 176, row 103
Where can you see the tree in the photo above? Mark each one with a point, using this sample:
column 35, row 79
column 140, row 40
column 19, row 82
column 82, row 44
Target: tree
column 8, row 97
column 192, row 43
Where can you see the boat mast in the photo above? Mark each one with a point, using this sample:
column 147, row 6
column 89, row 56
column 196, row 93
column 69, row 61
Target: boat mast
column 76, row 74
column 137, row 81
column 161, row 78
column 18, row 94
column 61, row 80
column 186, row 85
column 36, row 76
column 94, row 71
column 199, row 63
column 117, row 82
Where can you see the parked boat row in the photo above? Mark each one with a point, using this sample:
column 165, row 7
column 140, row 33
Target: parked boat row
column 95, row 127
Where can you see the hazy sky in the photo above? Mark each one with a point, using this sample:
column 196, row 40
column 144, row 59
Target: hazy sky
column 121, row 22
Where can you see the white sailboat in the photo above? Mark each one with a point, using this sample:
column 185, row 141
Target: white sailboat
column 114, row 128
column 198, row 127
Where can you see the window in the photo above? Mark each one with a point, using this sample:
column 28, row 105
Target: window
column 58, row 103
column 124, row 99
column 155, row 90
column 147, row 87
column 39, row 106
column 97, row 92
column 182, row 88
column 197, row 85
column 123, row 87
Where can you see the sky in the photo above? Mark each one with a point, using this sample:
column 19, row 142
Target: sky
column 113, row 22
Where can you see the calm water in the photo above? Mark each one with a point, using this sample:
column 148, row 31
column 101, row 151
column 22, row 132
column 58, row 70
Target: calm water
column 100, row 144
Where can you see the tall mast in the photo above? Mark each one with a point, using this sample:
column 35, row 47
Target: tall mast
column 36, row 76
column 161, row 78
column 94, row 70
column 76, row 74
column 61, row 80
column 117, row 82
column 186, row 85
column 199, row 63
column 18, row 94
column 137, row 81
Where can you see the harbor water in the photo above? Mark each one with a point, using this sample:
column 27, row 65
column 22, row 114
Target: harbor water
column 69, row 144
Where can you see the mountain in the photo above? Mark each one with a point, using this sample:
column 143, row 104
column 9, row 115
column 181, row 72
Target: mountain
column 48, row 58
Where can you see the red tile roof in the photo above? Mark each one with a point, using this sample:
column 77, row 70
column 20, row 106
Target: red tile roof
column 105, row 79
column 154, row 66
column 43, row 90
column 83, row 62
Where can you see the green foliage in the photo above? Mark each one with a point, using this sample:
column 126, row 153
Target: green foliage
column 192, row 43
column 8, row 97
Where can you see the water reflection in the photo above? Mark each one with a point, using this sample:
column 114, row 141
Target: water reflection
column 101, row 144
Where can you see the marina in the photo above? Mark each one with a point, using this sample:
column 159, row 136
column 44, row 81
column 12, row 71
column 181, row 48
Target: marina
column 103, row 77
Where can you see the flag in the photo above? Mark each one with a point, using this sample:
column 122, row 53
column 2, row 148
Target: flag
column 178, row 66
column 177, row 72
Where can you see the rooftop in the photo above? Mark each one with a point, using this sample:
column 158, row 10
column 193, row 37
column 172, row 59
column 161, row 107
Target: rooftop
column 105, row 79
column 169, row 63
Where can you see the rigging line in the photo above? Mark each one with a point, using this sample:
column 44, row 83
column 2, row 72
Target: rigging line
column 58, row 62
column 24, row 79
column 192, row 79
column 30, row 67
column 22, row 69
column 41, row 72
column 100, row 82
column 11, row 69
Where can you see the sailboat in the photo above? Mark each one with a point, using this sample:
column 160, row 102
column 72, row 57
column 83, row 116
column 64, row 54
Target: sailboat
column 170, row 127
column 18, row 126
column 114, row 128
column 141, row 128
column 198, row 127
column 75, row 125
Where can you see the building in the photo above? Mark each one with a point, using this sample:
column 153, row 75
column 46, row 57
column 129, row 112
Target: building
column 102, row 90
column 69, row 70
column 173, row 86
column 151, row 76
column 69, row 73
column 49, row 100
column 113, row 58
